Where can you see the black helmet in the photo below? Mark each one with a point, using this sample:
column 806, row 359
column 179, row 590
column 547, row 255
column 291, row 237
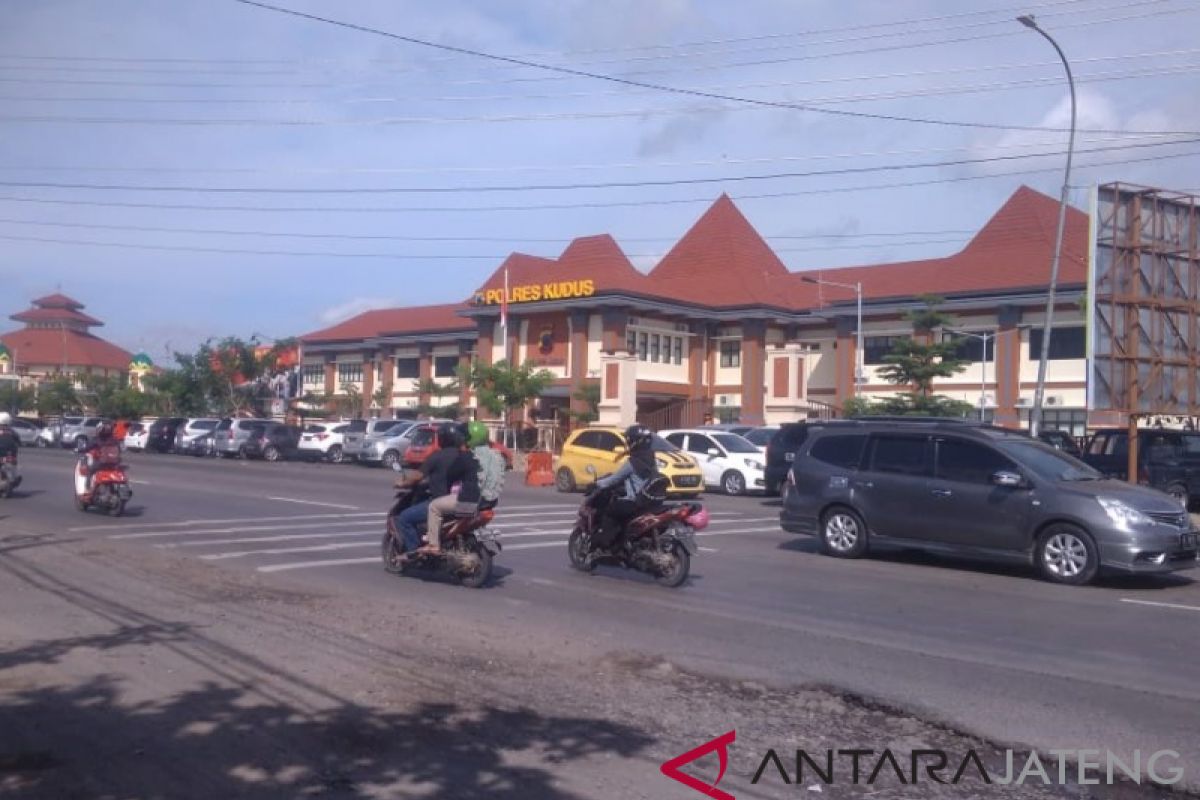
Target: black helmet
column 105, row 431
column 638, row 437
column 448, row 436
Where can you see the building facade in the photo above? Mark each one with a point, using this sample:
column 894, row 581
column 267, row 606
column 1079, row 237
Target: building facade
column 57, row 340
column 721, row 328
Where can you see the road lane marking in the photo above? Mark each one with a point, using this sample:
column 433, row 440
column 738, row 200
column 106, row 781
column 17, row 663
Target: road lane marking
column 313, row 503
column 279, row 551
column 205, row 522
column 333, row 562
column 773, row 528
column 529, row 546
column 262, row 539
column 246, row 529
column 1160, row 605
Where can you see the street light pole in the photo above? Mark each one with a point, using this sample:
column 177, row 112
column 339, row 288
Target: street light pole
column 1039, row 395
column 983, row 359
column 855, row 287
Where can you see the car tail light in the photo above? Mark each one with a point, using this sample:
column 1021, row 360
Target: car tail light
column 320, row 437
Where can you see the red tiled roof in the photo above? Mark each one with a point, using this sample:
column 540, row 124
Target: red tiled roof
column 50, row 314
column 1012, row 251
column 53, row 346
column 394, row 321
column 57, row 300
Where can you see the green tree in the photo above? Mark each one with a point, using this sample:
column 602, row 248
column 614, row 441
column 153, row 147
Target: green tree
column 14, row 398
column 919, row 364
column 588, row 396
column 503, row 388
column 443, row 398
column 56, row 397
column 114, row 398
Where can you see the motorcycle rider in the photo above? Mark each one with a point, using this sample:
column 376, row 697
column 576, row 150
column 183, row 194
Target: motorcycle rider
column 451, row 464
column 635, row 474
column 103, row 451
column 491, row 464
column 10, row 445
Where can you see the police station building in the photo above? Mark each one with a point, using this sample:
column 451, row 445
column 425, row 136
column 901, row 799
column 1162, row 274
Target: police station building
column 720, row 328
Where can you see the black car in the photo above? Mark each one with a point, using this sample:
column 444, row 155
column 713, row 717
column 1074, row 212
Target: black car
column 1168, row 460
column 782, row 449
column 199, row 446
column 272, row 441
column 980, row 491
column 161, row 438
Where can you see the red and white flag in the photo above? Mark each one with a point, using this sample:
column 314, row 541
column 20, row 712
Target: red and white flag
column 504, row 304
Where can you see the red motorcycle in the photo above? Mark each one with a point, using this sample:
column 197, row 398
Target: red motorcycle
column 468, row 545
column 109, row 489
column 659, row 541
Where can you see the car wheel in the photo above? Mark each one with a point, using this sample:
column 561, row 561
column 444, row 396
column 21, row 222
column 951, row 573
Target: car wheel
column 1180, row 493
column 843, row 534
column 564, row 480
column 335, row 454
column 42, row 443
column 785, row 489
column 390, row 459
column 1066, row 554
column 271, row 453
column 733, row 483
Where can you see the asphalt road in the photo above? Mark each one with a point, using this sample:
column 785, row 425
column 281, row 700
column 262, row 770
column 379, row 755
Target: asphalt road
column 988, row 650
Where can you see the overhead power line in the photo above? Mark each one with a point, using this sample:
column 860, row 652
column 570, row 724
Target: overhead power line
column 579, row 73
column 575, row 205
column 544, row 187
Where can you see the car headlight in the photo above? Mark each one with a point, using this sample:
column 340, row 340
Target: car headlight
column 1122, row 514
column 661, row 462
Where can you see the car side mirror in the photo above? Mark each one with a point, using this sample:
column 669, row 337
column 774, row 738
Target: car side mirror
column 713, row 452
column 1009, row 480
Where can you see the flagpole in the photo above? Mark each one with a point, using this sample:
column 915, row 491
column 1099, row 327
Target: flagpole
column 504, row 315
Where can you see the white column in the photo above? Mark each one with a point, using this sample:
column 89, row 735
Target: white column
column 618, row 389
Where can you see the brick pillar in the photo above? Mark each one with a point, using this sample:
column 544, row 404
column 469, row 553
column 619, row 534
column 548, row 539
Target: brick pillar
column 331, row 386
column 388, row 382
column 464, row 363
column 512, row 350
column 485, row 340
column 1008, row 367
column 754, row 343
column 577, row 369
column 424, row 371
column 697, row 388
column 844, row 359
column 368, row 387
column 612, row 339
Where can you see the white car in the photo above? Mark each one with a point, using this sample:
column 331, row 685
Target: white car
column 136, row 435
column 728, row 461
column 193, row 429
column 324, row 441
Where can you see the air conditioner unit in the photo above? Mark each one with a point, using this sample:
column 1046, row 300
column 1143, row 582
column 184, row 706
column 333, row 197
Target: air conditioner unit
column 1024, row 402
column 1054, row 400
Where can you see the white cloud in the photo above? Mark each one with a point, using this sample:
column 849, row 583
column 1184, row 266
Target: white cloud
column 350, row 308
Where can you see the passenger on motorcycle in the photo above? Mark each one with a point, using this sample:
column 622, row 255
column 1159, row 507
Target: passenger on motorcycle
column 451, row 464
column 10, row 445
column 103, row 451
column 491, row 464
column 635, row 475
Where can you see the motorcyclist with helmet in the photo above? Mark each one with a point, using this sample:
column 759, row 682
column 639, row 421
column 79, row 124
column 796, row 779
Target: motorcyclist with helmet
column 491, row 464
column 10, row 445
column 103, row 451
column 634, row 476
column 451, row 464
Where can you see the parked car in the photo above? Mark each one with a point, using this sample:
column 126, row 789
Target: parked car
column 325, row 441
column 728, row 427
column 1060, row 440
column 355, row 443
column 729, row 462
column 389, row 451
column 26, row 432
column 979, row 491
column 780, row 450
column 200, row 446
column 424, row 443
column 603, row 449
column 230, row 435
column 1167, row 459
column 272, row 441
column 161, row 436
column 192, row 429
column 50, row 435
column 76, row 430
column 761, row 437
column 136, row 435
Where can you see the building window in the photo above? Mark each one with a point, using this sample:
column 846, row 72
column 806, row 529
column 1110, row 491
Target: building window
column 678, row 350
column 970, row 348
column 445, row 366
column 654, row 347
column 731, row 353
column 408, row 368
column 643, row 346
column 314, row 373
column 876, row 348
column 1068, row 420
column 350, row 372
column 631, row 341
column 1065, row 343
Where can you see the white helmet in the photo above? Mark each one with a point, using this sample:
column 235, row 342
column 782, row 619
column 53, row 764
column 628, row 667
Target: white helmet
column 5, row 418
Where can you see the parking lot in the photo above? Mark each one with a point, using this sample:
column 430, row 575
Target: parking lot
column 913, row 630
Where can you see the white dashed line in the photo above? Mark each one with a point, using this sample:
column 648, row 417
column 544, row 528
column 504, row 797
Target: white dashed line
column 1179, row 606
column 312, row 503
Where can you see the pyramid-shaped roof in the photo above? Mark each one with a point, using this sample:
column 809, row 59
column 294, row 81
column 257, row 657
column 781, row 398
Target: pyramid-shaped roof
column 58, row 300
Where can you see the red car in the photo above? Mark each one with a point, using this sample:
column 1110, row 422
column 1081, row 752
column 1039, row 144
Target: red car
column 424, row 444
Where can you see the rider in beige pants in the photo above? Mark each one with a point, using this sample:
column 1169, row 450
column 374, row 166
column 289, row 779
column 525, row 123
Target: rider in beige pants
column 438, row 508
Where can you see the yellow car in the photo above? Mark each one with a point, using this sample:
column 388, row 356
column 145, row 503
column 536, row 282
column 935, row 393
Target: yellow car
column 604, row 449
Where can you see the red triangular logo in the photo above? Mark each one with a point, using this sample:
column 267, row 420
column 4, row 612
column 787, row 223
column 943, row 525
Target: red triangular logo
column 721, row 746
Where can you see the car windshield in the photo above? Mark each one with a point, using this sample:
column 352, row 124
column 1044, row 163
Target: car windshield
column 661, row 445
column 1048, row 462
column 204, row 424
column 760, row 437
column 314, row 428
column 734, row 443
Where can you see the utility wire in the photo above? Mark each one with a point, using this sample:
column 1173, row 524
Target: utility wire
column 579, row 73
column 544, row 187
column 590, row 204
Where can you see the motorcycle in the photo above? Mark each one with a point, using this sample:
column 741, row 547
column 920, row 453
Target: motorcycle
column 109, row 487
column 468, row 545
column 659, row 541
column 9, row 479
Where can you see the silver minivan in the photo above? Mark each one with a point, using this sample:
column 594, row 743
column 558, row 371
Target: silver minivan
column 193, row 429
column 230, row 435
column 356, row 444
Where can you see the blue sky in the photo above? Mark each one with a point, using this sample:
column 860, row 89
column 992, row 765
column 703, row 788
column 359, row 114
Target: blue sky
column 185, row 96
